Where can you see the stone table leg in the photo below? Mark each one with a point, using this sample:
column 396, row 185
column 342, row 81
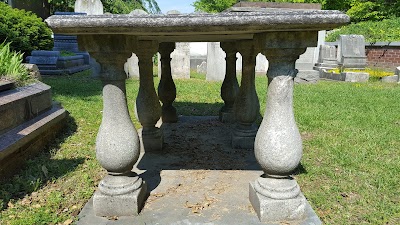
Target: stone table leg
column 247, row 106
column 230, row 86
column 147, row 103
column 276, row 196
column 166, row 87
column 121, row 192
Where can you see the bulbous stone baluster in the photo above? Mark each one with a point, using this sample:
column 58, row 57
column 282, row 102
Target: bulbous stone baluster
column 147, row 104
column 276, row 196
column 121, row 192
column 230, row 86
column 166, row 87
column 247, row 106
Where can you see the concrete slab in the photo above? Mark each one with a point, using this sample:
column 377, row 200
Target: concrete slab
column 197, row 179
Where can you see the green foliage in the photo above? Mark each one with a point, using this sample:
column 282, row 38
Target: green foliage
column 24, row 30
column 111, row 6
column 11, row 67
column 373, row 31
column 213, row 6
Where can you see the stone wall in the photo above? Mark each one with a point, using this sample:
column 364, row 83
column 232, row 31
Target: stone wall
column 383, row 55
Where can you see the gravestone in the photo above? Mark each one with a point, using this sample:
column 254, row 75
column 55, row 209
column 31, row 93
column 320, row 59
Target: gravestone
column 202, row 68
column 90, row 7
column 327, row 58
column 351, row 51
column 180, row 61
column 305, row 65
column 131, row 66
column 54, row 63
column 215, row 62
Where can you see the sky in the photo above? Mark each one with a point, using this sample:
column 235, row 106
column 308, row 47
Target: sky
column 183, row 6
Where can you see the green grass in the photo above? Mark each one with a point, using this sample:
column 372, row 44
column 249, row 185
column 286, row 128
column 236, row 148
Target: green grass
column 350, row 135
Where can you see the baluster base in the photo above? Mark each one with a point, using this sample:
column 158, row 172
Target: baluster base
column 168, row 114
column 226, row 115
column 152, row 139
column 243, row 136
column 277, row 199
column 120, row 196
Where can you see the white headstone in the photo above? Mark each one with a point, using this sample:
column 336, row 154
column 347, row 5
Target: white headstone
column 90, row 7
column 131, row 66
column 215, row 62
column 180, row 61
column 202, row 68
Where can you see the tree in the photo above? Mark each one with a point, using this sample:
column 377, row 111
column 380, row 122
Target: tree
column 111, row 6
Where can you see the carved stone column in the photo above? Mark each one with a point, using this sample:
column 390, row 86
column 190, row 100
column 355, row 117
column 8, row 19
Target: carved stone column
column 166, row 87
column 247, row 106
column 121, row 192
column 147, row 104
column 276, row 196
column 230, row 86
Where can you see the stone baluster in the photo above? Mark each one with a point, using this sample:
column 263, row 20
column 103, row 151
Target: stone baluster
column 247, row 106
column 121, row 192
column 166, row 87
column 276, row 196
column 230, row 86
column 147, row 104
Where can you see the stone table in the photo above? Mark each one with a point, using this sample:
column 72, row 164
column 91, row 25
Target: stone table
column 282, row 35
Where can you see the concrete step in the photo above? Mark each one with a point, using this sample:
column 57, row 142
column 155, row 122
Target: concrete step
column 29, row 138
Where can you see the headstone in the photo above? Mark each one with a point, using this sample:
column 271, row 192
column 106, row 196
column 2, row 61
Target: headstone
column 180, row 61
column 390, row 79
column 215, row 62
column 90, row 7
column 351, row 51
column 356, row 76
column 131, row 66
column 397, row 71
column 202, row 68
column 138, row 12
column 305, row 65
column 327, row 58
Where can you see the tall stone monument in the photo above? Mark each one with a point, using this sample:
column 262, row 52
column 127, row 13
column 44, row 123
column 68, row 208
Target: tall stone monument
column 215, row 62
column 90, row 7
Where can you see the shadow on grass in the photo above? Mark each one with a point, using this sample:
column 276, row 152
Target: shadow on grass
column 38, row 170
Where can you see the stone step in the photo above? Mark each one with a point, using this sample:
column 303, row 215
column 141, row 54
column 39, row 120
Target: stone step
column 71, row 70
column 29, row 138
column 22, row 104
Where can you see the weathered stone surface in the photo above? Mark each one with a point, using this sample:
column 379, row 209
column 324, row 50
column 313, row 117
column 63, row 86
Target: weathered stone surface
column 20, row 105
column 131, row 66
column 180, row 63
column 91, row 7
column 138, row 12
column 216, row 66
column 95, row 67
column 390, row 79
column 351, row 51
column 356, row 76
column 28, row 139
column 307, row 76
column 192, row 25
column 122, row 196
column 274, row 203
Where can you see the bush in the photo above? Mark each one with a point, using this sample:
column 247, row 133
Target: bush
column 24, row 30
column 11, row 67
column 386, row 30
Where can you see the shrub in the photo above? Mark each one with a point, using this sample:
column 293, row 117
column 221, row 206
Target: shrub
column 11, row 67
column 386, row 30
column 24, row 30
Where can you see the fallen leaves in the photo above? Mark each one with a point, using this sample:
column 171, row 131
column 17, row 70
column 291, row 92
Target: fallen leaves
column 198, row 207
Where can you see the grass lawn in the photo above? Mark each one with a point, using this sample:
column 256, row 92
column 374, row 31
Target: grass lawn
column 351, row 143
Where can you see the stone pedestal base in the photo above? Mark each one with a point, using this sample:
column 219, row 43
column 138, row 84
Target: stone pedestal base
column 277, row 210
column 128, row 204
column 168, row 114
column 152, row 139
column 226, row 117
column 243, row 137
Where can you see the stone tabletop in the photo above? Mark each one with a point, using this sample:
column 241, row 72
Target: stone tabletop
column 199, row 26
